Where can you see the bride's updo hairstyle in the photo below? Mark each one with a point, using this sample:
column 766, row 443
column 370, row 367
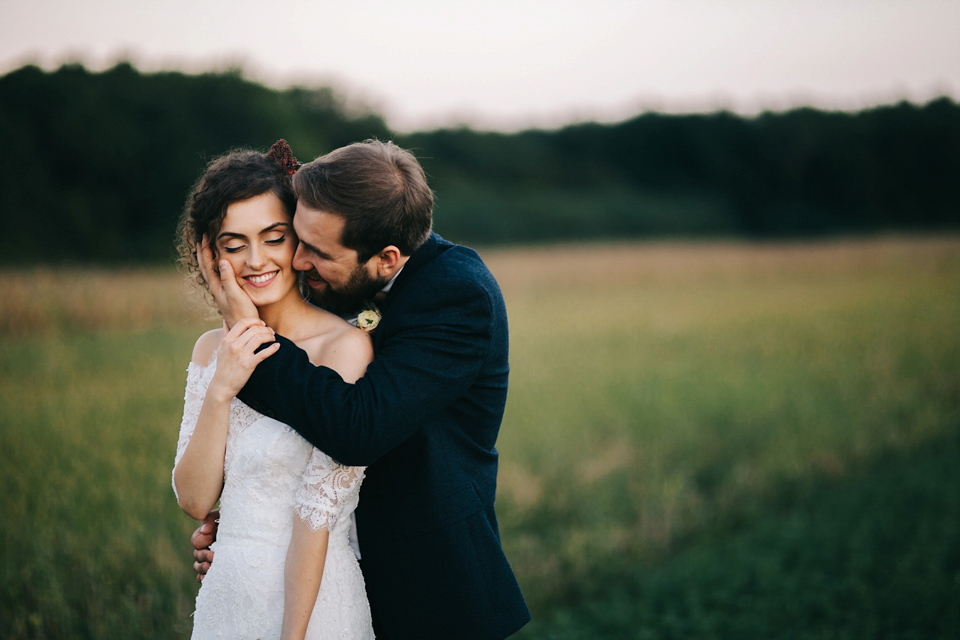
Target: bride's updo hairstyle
column 238, row 175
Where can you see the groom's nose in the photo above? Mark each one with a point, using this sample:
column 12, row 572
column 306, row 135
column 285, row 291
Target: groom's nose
column 299, row 263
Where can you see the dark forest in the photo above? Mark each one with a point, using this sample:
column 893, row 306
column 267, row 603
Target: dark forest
column 96, row 166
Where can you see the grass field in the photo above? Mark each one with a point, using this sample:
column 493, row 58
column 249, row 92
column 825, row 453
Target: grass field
column 701, row 441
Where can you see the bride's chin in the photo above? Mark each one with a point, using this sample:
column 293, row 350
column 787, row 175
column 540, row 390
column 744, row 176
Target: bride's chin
column 265, row 299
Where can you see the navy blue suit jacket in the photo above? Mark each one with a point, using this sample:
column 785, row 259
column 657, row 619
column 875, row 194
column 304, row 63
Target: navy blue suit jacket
column 424, row 420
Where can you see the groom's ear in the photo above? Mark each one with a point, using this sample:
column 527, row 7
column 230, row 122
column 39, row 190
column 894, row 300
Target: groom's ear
column 389, row 260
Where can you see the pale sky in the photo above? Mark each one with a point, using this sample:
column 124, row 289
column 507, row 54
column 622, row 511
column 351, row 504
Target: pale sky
column 509, row 64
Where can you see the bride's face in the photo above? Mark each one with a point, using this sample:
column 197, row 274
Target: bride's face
column 258, row 241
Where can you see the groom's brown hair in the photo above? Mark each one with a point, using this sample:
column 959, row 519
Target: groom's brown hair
column 378, row 188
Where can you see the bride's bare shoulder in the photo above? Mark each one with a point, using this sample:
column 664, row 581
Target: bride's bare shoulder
column 205, row 346
column 339, row 345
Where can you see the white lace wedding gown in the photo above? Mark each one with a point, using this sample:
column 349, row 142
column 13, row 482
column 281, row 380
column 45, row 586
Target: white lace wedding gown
column 270, row 474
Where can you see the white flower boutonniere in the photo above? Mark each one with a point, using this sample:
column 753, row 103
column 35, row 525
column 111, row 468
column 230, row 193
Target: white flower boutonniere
column 369, row 318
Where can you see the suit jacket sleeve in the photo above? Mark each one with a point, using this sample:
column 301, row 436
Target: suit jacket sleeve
column 428, row 356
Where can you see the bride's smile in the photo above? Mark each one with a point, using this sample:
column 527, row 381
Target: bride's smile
column 261, row 280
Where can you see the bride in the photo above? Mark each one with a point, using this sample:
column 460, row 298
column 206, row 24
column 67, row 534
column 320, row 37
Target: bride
column 284, row 568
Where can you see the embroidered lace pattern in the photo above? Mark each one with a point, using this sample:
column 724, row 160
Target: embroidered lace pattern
column 270, row 474
column 328, row 490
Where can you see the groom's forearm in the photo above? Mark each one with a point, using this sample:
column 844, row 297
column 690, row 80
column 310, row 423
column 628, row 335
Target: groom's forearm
column 354, row 423
column 421, row 369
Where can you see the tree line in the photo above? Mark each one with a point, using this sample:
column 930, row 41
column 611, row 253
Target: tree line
column 96, row 166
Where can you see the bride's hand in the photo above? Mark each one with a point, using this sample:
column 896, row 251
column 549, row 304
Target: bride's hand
column 237, row 356
column 233, row 302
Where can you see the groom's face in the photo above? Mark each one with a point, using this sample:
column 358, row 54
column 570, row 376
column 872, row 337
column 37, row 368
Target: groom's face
column 338, row 281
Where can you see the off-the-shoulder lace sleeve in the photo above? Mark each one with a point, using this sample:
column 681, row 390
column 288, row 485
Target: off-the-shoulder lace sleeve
column 192, row 402
column 328, row 491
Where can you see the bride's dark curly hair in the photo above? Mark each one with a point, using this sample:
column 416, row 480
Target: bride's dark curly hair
column 235, row 176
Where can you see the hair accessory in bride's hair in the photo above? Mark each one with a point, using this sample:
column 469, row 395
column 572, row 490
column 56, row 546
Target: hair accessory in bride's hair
column 282, row 154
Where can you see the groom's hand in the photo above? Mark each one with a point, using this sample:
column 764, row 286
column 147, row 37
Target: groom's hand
column 201, row 540
column 233, row 302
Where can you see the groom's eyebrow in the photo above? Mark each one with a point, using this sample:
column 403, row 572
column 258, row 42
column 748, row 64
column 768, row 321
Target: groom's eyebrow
column 313, row 249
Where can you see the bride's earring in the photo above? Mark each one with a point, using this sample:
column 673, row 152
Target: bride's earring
column 302, row 286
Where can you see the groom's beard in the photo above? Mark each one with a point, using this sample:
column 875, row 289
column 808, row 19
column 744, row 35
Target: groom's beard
column 349, row 299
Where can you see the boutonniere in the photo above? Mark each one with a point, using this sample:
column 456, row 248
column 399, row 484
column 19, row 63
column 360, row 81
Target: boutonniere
column 369, row 318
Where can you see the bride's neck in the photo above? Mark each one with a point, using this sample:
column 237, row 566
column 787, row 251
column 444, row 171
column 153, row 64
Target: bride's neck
column 285, row 315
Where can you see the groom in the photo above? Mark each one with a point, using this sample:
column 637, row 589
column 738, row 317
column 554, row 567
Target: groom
column 425, row 417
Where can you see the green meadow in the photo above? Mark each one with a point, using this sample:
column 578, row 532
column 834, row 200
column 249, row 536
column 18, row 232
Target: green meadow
column 702, row 440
